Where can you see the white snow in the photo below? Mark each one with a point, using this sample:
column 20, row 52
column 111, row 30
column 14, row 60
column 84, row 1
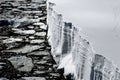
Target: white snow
column 68, row 65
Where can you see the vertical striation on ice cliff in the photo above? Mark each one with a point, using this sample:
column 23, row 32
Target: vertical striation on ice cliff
column 74, row 54
column 36, row 44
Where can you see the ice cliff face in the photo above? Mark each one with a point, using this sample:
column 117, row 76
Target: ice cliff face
column 104, row 69
column 74, row 53
column 26, row 27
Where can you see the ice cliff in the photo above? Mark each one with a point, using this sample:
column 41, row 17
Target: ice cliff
column 74, row 54
column 37, row 44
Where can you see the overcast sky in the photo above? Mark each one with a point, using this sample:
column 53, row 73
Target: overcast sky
column 99, row 20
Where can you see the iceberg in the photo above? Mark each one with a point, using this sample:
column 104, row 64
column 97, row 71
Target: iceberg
column 74, row 54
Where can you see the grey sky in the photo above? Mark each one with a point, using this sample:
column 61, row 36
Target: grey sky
column 99, row 19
